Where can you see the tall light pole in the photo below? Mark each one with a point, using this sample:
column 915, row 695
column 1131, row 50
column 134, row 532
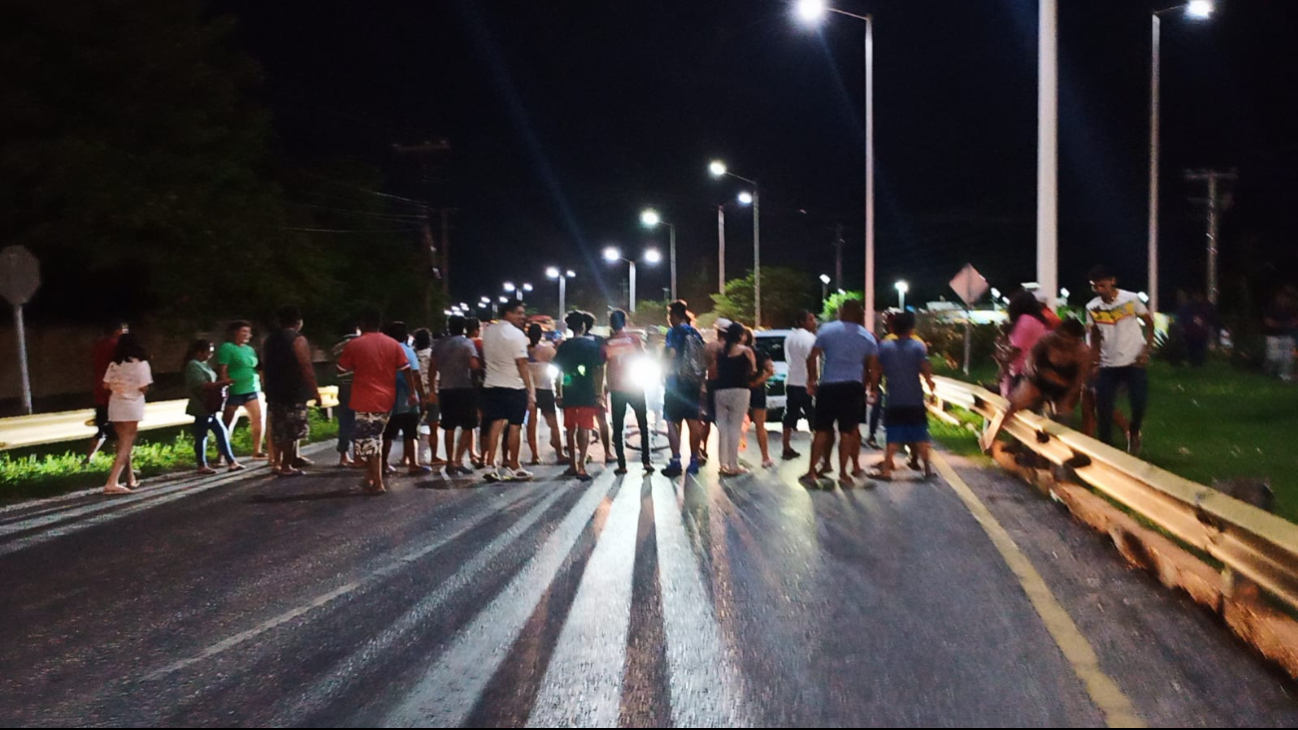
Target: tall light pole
column 721, row 249
column 651, row 219
column 813, row 11
column 612, row 254
column 824, row 288
column 902, row 288
column 719, row 169
column 1048, row 153
column 1200, row 10
column 554, row 272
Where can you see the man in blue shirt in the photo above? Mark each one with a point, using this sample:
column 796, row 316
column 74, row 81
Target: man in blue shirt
column 851, row 359
column 686, row 371
column 902, row 362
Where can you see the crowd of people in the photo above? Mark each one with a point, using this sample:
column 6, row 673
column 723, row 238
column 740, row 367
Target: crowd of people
column 479, row 392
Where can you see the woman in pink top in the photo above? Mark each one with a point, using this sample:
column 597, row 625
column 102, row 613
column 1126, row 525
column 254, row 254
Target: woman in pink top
column 1029, row 326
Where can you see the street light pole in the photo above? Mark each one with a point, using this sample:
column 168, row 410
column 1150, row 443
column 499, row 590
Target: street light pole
column 757, row 259
column 1155, row 91
column 1048, row 153
column 672, row 229
column 1201, row 10
column 869, row 173
column 631, row 297
column 721, row 249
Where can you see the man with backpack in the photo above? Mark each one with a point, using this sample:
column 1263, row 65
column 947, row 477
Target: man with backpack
column 686, row 370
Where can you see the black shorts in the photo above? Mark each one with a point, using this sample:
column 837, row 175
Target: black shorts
column 841, row 403
column 681, row 401
column 504, row 404
column 103, row 427
column 405, row 425
column 545, row 404
column 757, row 401
column 798, row 405
column 459, row 408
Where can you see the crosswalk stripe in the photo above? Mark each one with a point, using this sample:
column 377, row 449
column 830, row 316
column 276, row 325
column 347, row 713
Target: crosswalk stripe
column 347, row 670
column 706, row 690
column 592, row 645
column 447, row 693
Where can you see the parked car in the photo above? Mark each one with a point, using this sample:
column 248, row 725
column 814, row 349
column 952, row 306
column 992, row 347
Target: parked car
column 771, row 342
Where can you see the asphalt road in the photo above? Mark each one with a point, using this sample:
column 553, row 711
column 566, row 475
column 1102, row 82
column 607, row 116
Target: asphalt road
column 627, row 601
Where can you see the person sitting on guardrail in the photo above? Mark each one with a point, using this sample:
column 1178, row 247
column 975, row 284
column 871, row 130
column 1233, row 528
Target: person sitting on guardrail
column 128, row 377
column 101, row 355
column 207, row 397
column 1058, row 369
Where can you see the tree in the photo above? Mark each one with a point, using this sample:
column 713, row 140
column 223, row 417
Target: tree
column 829, row 311
column 784, row 293
column 132, row 161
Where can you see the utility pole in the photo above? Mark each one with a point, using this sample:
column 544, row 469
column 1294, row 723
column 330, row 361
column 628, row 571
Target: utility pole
column 1217, row 201
column 439, row 265
column 838, row 256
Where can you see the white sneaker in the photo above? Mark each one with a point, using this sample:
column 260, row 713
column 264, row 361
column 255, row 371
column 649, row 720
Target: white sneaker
column 518, row 475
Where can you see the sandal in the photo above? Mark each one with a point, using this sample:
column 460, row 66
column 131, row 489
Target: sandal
column 117, row 489
column 206, row 470
column 236, row 467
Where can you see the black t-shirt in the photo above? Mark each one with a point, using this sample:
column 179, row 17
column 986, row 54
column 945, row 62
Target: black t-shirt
column 579, row 360
column 284, row 381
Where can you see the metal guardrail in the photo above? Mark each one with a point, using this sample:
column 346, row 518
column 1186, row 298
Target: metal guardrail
column 1249, row 541
column 53, row 428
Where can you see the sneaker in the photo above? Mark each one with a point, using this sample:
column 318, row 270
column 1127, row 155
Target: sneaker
column 790, row 455
column 1134, row 443
column 519, row 475
column 673, row 468
column 649, row 468
column 695, row 465
column 494, row 476
column 620, row 470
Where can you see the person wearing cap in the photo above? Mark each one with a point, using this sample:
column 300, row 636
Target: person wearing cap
column 1122, row 352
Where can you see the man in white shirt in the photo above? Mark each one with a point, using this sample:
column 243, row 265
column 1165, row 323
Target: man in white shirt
column 508, row 392
column 799, row 405
column 1122, row 353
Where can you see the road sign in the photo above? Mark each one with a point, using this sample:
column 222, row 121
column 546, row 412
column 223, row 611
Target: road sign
column 969, row 285
column 20, row 275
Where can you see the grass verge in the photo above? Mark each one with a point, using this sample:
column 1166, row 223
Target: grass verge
column 51, row 470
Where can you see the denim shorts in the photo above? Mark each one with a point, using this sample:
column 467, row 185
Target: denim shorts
column 234, row 401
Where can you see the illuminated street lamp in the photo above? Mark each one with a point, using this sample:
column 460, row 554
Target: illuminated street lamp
column 815, row 11
column 509, row 286
column 562, row 276
column 824, row 287
column 718, row 170
column 613, row 254
column 902, row 289
column 1197, row 10
column 651, row 219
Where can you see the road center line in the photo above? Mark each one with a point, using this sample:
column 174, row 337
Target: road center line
column 1104, row 692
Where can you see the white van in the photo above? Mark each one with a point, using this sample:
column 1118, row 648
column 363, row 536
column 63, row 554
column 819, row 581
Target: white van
column 771, row 342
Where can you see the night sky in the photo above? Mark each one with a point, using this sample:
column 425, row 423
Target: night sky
column 566, row 118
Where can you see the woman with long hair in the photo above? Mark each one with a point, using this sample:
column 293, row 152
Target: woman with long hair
column 757, row 401
column 423, row 344
column 237, row 362
column 736, row 365
column 540, row 359
column 206, row 400
column 128, row 377
column 1028, row 324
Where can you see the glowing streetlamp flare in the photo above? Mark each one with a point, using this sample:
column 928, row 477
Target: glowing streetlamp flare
column 552, row 272
column 612, row 254
column 824, row 279
column 1201, row 9
column 717, row 168
column 653, row 256
column 746, row 198
column 650, row 218
column 811, row 10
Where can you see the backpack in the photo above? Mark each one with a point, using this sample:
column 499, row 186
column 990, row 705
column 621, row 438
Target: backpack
column 691, row 360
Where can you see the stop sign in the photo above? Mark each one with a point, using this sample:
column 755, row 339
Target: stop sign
column 20, row 275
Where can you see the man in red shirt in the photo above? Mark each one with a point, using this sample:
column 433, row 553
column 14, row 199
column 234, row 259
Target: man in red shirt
column 374, row 360
column 100, row 356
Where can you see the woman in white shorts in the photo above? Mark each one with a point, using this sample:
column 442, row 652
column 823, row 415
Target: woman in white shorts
column 128, row 377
